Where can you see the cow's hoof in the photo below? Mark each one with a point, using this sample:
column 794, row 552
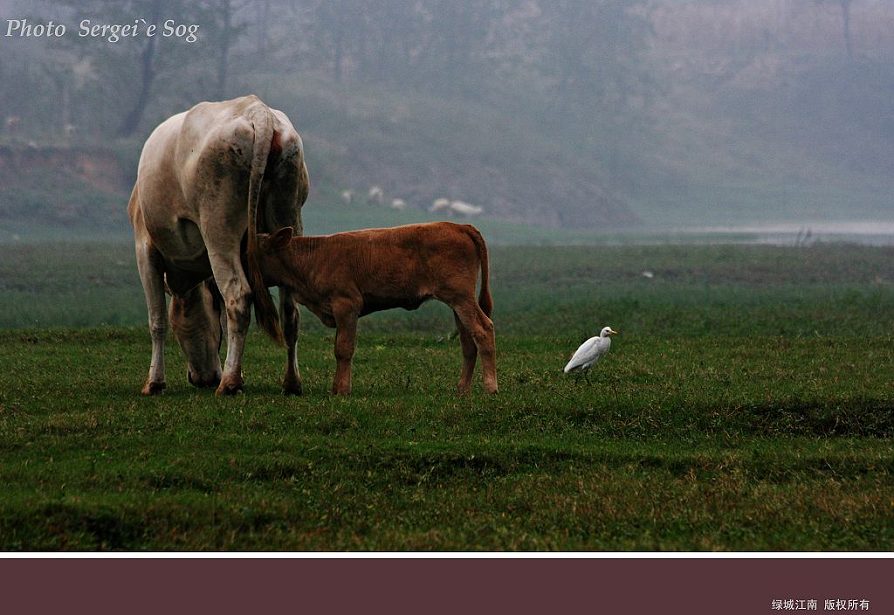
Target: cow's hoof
column 153, row 388
column 229, row 387
column 292, row 387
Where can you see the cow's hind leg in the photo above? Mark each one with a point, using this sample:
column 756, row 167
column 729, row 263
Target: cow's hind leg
column 236, row 295
column 481, row 329
column 291, row 383
column 149, row 264
column 470, row 355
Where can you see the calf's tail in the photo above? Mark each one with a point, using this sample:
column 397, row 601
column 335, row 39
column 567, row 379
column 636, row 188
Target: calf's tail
column 485, row 301
column 264, row 137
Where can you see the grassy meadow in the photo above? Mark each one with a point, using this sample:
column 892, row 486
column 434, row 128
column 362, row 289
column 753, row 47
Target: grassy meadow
column 746, row 405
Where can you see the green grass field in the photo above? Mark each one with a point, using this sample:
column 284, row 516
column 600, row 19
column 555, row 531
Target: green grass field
column 746, row 405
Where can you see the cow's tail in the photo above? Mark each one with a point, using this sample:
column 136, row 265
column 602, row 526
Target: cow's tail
column 485, row 301
column 265, row 310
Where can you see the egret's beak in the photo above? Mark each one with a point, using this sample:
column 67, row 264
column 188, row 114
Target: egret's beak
column 613, row 332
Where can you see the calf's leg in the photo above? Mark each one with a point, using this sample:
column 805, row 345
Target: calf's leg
column 481, row 329
column 152, row 278
column 470, row 355
column 345, row 342
column 291, row 383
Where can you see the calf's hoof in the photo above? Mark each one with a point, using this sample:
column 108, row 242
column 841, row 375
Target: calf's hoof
column 153, row 388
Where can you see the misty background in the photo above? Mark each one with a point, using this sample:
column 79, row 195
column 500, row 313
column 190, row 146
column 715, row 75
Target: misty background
column 562, row 119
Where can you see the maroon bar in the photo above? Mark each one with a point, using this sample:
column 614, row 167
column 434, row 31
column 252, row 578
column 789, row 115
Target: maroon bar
column 622, row 586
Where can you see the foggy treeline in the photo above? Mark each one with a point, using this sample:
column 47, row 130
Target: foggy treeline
column 577, row 53
column 603, row 74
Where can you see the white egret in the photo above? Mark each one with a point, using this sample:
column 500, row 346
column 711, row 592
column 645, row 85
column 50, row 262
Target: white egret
column 590, row 351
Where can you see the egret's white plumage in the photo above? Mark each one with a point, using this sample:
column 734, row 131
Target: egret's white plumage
column 591, row 351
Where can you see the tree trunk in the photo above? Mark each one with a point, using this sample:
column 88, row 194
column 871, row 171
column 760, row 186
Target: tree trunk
column 147, row 76
column 65, row 107
column 223, row 60
column 846, row 25
column 263, row 25
column 338, row 54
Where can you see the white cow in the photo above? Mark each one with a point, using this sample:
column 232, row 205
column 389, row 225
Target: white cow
column 465, row 209
column 439, row 204
column 207, row 179
column 398, row 204
column 13, row 123
column 347, row 196
column 375, row 195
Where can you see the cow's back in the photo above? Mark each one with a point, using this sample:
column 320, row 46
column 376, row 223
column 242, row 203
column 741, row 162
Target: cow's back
column 193, row 176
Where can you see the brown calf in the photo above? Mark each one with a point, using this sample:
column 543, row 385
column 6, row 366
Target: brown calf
column 347, row 275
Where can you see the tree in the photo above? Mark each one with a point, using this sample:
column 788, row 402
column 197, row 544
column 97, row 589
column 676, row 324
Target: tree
column 845, row 6
column 223, row 56
column 128, row 70
column 147, row 75
column 225, row 34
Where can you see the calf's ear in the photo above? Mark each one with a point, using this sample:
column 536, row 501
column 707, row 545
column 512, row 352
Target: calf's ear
column 281, row 238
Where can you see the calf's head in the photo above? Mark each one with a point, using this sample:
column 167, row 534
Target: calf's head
column 196, row 321
column 273, row 256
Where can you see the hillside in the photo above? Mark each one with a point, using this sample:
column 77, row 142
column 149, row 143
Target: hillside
column 65, row 190
column 415, row 147
column 420, row 148
column 766, row 114
column 704, row 114
column 723, row 151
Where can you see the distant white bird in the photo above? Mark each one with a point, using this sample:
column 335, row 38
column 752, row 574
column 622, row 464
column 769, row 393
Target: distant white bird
column 591, row 351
